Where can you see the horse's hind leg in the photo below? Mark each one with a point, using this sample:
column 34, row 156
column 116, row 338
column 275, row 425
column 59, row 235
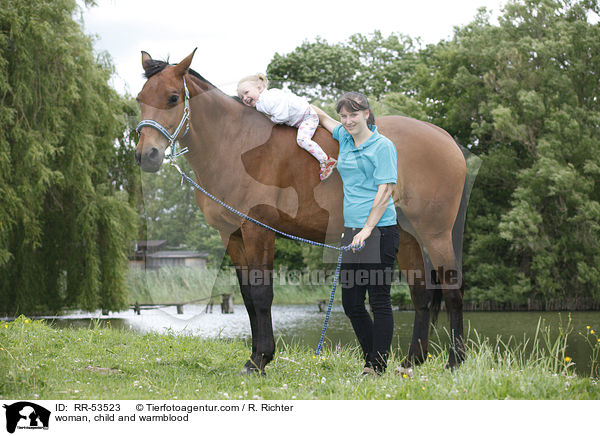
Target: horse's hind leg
column 449, row 277
column 410, row 261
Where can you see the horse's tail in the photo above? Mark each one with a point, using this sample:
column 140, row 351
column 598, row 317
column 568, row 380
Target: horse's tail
column 436, row 304
column 473, row 163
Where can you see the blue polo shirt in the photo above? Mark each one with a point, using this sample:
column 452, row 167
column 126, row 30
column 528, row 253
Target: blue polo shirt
column 363, row 169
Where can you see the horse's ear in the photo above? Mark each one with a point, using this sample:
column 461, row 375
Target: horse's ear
column 146, row 60
column 182, row 67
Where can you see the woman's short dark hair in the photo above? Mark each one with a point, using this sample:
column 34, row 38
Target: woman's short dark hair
column 355, row 101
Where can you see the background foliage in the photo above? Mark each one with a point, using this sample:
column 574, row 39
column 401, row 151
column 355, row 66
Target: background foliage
column 520, row 93
column 66, row 217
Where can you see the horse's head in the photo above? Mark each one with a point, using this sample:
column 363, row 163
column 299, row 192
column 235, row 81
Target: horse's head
column 162, row 101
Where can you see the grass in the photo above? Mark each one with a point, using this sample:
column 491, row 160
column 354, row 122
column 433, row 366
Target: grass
column 174, row 285
column 40, row 362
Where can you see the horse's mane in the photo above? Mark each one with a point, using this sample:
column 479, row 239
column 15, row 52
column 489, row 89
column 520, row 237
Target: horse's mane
column 156, row 66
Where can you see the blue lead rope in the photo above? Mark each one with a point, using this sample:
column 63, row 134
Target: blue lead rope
column 296, row 238
column 173, row 142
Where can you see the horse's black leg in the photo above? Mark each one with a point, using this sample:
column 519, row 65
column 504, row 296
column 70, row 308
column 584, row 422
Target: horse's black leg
column 410, row 261
column 237, row 253
column 261, row 293
column 259, row 245
column 419, row 345
column 258, row 298
column 441, row 252
column 242, row 274
column 454, row 305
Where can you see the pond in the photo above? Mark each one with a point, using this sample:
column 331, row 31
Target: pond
column 303, row 323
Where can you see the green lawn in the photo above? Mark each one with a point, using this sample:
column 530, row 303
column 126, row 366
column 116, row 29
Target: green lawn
column 40, row 362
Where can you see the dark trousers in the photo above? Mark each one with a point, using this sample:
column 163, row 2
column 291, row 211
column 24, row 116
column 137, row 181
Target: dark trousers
column 370, row 271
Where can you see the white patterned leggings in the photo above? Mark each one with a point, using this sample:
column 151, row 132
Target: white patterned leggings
column 306, row 130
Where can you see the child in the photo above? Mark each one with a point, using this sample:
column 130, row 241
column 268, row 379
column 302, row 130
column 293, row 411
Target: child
column 286, row 108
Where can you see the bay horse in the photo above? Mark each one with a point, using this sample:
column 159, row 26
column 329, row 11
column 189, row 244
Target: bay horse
column 238, row 155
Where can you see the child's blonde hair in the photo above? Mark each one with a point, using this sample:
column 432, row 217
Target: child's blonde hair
column 258, row 78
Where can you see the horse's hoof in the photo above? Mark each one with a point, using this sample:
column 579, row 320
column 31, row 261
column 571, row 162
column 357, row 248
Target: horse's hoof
column 251, row 370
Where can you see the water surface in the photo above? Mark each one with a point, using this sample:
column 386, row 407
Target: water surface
column 303, row 323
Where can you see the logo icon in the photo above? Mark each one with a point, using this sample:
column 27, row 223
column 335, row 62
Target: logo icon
column 25, row 415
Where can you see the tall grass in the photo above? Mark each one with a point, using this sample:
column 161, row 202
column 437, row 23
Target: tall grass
column 184, row 285
column 179, row 285
column 40, row 362
column 593, row 340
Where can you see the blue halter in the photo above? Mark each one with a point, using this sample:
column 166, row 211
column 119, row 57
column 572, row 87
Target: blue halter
column 185, row 120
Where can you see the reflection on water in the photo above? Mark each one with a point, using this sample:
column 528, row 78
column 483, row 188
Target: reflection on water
column 303, row 323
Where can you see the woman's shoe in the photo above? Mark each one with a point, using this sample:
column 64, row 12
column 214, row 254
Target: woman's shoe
column 327, row 168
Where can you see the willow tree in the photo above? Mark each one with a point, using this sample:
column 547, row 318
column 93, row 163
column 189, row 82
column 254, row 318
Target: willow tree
column 65, row 220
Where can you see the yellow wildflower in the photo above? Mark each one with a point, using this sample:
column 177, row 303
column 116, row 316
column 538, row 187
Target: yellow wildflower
column 592, row 332
column 587, row 327
column 567, row 359
column 404, row 376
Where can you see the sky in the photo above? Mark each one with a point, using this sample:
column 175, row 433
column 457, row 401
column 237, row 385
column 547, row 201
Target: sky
column 236, row 38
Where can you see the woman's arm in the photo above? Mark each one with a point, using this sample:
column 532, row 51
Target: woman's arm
column 325, row 120
column 380, row 204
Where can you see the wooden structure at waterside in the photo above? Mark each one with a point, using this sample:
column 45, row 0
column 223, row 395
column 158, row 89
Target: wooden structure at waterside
column 226, row 305
column 153, row 255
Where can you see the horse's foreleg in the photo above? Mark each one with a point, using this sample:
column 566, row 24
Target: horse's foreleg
column 237, row 253
column 259, row 247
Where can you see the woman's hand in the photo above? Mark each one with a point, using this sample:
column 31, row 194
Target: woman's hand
column 325, row 120
column 359, row 239
column 379, row 206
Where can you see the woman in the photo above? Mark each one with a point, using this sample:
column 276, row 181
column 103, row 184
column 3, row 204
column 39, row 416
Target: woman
column 368, row 167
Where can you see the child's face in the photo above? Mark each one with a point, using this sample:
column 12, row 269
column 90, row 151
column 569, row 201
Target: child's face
column 249, row 93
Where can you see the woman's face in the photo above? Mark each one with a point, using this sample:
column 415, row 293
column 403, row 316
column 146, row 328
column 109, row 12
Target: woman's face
column 355, row 122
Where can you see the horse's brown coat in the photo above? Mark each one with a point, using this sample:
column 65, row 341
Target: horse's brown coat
column 241, row 157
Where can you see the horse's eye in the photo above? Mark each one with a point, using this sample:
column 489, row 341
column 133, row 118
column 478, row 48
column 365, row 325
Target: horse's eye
column 173, row 99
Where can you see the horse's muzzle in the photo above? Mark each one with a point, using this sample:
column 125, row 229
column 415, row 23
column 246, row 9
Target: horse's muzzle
column 150, row 161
